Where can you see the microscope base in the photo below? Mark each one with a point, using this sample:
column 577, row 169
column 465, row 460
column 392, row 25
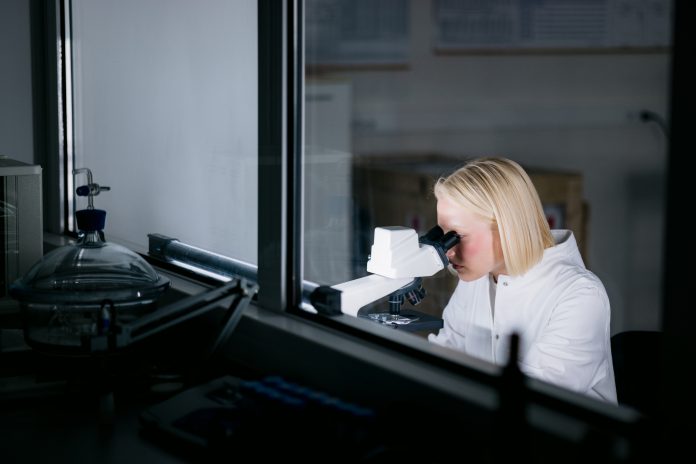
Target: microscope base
column 407, row 320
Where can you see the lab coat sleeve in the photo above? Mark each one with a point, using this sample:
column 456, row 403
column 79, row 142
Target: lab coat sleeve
column 448, row 335
column 571, row 350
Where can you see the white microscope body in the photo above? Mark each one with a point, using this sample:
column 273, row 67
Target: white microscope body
column 397, row 258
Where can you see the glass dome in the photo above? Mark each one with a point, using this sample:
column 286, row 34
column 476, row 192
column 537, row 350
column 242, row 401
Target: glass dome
column 82, row 290
column 90, row 271
column 79, row 291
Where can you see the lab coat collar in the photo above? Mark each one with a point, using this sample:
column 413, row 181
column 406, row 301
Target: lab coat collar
column 565, row 249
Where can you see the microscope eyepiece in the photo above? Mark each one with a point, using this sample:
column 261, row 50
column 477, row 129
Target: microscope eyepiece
column 432, row 235
column 441, row 241
column 449, row 240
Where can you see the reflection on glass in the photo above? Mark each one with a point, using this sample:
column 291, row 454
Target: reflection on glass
column 381, row 131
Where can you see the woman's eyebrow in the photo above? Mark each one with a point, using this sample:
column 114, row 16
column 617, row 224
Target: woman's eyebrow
column 455, row 227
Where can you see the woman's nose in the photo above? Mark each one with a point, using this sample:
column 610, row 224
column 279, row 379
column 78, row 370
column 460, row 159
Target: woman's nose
column 450, row 252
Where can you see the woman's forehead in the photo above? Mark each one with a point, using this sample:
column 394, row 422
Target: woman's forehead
column 453, row 215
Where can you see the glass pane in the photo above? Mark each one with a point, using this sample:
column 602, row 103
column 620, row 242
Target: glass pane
column 401, row 92
column 166, row 115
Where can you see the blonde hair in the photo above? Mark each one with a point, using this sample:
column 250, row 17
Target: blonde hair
column 500, row 191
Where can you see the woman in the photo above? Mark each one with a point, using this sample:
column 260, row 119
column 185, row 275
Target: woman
column 517, row 275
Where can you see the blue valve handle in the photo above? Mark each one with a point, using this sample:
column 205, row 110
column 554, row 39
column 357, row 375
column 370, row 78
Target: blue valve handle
column 91, row 189
column 89, row 220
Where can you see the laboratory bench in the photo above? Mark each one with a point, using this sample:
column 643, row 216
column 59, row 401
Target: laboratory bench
column 283, row 385
column 152, row 402
column 59, row 408
column 83, row 409
column 134, row 407
column 58, row 421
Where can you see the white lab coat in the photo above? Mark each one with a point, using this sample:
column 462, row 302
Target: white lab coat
column 559, row 309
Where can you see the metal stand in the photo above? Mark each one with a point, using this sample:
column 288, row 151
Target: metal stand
column 236, row 294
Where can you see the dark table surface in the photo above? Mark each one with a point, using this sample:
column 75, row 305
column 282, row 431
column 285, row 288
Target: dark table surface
column 56, row 409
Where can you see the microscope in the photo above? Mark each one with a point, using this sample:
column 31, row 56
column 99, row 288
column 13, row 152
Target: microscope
column 398, row 261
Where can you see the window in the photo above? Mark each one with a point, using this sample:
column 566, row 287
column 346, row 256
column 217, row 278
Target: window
column 587, row 123
column 165, row 113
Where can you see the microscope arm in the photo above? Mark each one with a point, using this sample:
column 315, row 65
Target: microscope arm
column 398, row 257
column 359, row 292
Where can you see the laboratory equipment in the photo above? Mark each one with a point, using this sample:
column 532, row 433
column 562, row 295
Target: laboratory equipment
column 398, row 261
column 244, row 416
column 21, row 226
column 79, row 290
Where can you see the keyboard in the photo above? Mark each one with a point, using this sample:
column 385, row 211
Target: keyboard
column 271, row 417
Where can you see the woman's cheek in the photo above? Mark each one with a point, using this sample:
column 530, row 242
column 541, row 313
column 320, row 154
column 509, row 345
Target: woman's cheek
column 469, row 250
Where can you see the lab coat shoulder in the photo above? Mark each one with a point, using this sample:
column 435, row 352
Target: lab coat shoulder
column 565, row 272
column 581, row 293
column 588, row 289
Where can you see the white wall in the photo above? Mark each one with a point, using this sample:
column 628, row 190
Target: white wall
column 16, row 125
column 166, row 115
column 561, row 111
column 327, row 188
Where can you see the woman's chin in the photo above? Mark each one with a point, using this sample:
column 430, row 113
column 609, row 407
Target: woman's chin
column 466, row 275
column 462, row 273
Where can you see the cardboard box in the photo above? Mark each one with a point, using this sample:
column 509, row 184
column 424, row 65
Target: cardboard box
column 398, row 190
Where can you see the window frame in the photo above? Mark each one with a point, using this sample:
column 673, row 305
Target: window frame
column 281, row 89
